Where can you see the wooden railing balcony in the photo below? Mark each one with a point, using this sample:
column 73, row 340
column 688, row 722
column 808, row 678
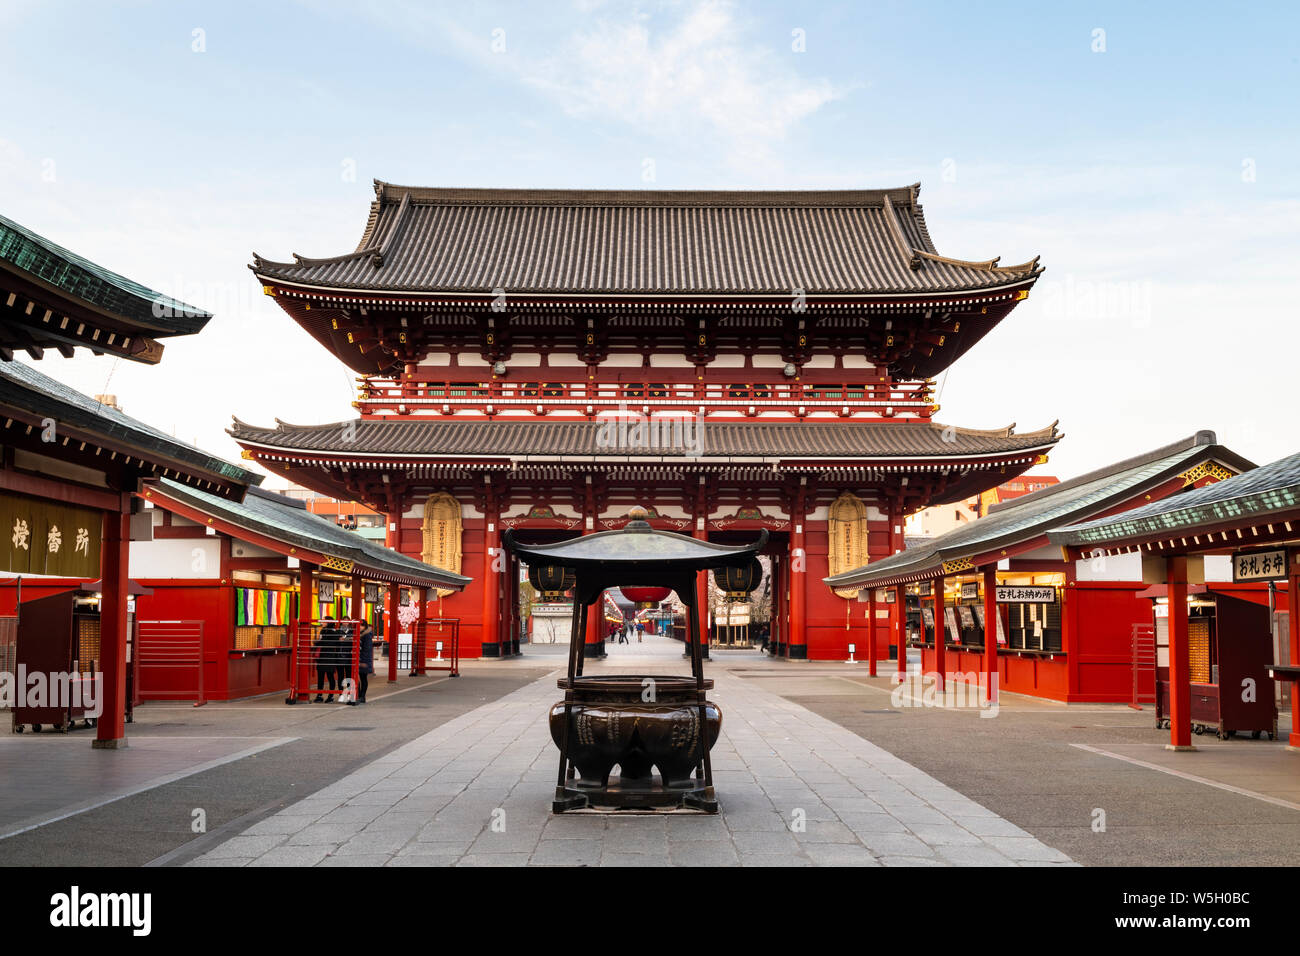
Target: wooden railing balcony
column 432, row 398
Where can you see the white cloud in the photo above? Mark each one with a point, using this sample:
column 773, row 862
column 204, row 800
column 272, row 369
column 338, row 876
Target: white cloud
column 698, row 75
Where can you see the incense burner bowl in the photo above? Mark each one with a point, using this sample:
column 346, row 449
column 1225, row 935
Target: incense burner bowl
column 638, row 723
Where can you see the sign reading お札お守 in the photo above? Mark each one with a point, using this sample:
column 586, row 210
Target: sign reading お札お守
column 1267, row 565
column 46, row 537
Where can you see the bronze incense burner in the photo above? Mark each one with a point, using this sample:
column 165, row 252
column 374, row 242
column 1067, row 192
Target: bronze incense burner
column 656, row 729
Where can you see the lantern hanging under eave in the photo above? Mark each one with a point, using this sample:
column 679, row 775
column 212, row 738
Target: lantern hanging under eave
column 551, row 580
column 739, row 582
column 646, row 598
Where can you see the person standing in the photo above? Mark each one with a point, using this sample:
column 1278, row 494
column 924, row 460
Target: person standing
column 343, row 657
column 327, row 648
column 366, row 662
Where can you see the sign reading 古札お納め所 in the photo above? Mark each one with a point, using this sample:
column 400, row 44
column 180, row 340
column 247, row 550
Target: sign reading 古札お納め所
column 46, row 537
column 1265, row 565
column 1026, row 594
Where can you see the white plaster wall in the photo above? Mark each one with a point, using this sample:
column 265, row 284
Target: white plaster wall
column 1113, row 567
column 176, row 558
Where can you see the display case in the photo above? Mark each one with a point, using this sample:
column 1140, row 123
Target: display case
column 59, row 637
column 1229, row 652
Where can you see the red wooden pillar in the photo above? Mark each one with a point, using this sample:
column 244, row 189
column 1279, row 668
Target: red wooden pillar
column 798, row 641
column 871, row 632
column 302, row 642
column 393, row 593
column 702, row 592
column 491, row 626
column 1293, row 634
column 900, row 629
column 420, row 636
column 990, row 634
column 780, row 623
column 114, row 569
column 940, row 638
column 357, row 606
column 1180, row 713
column 595, row 639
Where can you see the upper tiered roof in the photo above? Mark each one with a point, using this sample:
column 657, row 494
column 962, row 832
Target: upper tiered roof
column 645, row 242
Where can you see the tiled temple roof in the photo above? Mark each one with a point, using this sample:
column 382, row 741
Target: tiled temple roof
column 618, row 242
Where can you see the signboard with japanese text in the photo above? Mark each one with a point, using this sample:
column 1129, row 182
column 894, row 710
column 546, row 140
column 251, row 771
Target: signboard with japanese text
column 1266, row 565
column 970, row 592
column 325, row 592
column 954, row 629
column 46, row 537
column 1026, row 594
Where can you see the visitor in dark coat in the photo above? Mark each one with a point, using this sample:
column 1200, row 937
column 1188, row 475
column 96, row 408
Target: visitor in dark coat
column 366, row 665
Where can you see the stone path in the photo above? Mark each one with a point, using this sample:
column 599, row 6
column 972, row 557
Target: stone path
column 49, row 777
column 795, row 789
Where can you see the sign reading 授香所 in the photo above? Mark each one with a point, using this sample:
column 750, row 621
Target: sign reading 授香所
column 1259, row 565
column 1026, row 594
column 46, row 537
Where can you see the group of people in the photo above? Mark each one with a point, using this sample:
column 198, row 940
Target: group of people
column 334, row 660
column 623, row 634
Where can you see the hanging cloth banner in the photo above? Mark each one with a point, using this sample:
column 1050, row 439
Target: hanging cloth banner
column 258, row 606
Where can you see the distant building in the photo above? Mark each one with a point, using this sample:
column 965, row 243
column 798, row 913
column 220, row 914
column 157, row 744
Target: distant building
column 940, row 519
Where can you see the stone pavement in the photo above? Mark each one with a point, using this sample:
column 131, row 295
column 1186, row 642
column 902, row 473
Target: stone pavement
column 49, row 777
column 795, row 788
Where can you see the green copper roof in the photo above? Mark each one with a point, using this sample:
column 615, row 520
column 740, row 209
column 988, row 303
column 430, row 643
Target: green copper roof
column 22, row 387
column 1023, row 519
column 1268, row 490
column 82, row 279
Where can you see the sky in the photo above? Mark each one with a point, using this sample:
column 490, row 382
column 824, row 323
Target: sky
column 1147, row 152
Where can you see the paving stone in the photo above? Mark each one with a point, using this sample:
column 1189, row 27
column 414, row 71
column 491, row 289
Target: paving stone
column 291, row 856
column 246, row 846
column 566, row 853
column 488, row 859
column 281, row 823
column 838, row 854
column 324, row 834
column 1026, row 848
column 949, row 835
column 774, row 859
column 360, row 859
column 911, row 861
column 206, row 860
column 963, row 855
column 704, row 853
column 894, row 844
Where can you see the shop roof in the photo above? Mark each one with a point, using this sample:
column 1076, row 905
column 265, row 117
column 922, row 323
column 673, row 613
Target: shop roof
column 645, row 242
column 31, row 397
column 1252, row 497
column 287, row 521
column 41, row 283
column 1029, row 517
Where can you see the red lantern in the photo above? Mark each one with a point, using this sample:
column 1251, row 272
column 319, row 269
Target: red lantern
column 648, row 595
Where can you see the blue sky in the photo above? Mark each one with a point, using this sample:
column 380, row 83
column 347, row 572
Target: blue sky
column 1153, row 166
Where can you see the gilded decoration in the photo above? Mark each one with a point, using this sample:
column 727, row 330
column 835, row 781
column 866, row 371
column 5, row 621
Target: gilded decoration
column 1206, row 469
column 441, row 546
column 848, row 538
